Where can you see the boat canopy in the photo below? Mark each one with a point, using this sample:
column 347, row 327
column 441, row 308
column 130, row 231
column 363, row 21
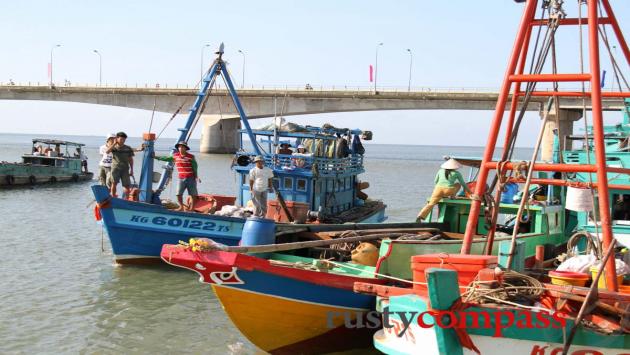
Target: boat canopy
column 55, row 141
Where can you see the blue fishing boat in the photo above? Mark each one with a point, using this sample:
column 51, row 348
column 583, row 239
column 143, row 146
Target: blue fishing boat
column 320, row 184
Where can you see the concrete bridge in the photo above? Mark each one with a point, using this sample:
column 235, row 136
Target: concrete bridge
column 220, row 124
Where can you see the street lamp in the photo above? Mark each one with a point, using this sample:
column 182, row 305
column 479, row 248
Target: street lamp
column 100, row 67
column 410, row 63
column 243, row 74
column 202, row 71
column 376, row 65
column 51, row 63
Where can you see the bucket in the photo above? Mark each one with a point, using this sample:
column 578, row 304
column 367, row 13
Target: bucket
column 510, row 191
column 602, row 279
column 579, row 199
column 258, row 231
column 564, row 278
column 156, row 176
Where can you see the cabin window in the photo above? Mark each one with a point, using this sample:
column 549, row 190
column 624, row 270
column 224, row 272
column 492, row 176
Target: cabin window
column 301, row 184
column 288, row 183
column 621, row 207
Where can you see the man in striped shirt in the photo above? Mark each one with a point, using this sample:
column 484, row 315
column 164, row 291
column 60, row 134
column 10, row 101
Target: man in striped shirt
column 186, row 166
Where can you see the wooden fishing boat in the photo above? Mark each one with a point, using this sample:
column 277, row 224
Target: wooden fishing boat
column 323, row 186
column 500, row 309
column 49, row 161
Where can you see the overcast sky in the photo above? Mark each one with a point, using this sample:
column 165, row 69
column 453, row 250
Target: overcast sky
column 455, row 44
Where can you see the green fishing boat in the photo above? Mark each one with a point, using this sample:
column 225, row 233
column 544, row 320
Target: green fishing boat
column 49, row 161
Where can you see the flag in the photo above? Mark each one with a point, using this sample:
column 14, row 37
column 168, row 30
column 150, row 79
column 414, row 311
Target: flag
column 371, row 73
column 49, row 69
column 603, row 79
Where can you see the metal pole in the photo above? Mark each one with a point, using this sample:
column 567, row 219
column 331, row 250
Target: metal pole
column 475, row 205
column 51, row 63
column 376, row 65
column 410, row 64
column 243, row 74
column 613, row 71
column 100, row 68
column 598, row 133
column 201, row 65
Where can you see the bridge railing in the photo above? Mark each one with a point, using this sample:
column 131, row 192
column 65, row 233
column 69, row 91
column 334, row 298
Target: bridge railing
column 279, row 88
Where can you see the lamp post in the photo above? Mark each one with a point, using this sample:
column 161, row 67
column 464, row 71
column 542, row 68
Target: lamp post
column 100, row 67
column 410, row 63
column 243, row 74
column 51, row 63
column 201, row 66
column 376, row 65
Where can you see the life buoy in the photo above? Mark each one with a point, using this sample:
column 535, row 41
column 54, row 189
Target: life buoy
column 53, row 179
column 75, row 177
column 32, row 179
column 97, row 213
column 9, row 179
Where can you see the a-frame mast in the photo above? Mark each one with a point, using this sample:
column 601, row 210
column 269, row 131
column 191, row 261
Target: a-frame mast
column 527, row 22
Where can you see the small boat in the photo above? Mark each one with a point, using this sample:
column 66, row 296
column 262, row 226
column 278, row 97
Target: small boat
column 287, row 302
column 49, row 161
column 322, row 186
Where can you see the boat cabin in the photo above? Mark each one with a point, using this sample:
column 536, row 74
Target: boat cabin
column 324, row 175
column 57, row 153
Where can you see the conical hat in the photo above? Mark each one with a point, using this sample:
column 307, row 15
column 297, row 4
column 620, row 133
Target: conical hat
column 451, row 164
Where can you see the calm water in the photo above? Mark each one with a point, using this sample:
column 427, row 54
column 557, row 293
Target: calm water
column 61, row 293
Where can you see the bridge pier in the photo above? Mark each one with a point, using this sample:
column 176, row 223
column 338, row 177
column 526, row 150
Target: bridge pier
column 565, row 128
column 219, row 136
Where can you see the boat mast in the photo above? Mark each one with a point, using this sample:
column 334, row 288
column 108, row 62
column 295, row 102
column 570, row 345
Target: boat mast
column 475, row 206
column 218, row 68
column 527, row 22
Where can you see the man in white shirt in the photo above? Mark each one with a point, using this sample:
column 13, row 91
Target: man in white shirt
column 105, row 165
column 260, row 180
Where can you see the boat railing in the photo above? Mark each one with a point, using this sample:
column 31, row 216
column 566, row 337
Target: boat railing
column 317, row 165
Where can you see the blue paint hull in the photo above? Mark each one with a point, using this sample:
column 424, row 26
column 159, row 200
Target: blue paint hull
column 138, row 230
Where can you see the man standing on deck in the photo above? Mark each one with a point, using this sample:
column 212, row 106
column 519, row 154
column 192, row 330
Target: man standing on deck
column 187, row 172
column 105, row 165
column 260, row 180
column 122, row 163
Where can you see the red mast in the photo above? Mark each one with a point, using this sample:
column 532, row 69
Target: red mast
column 519, row 52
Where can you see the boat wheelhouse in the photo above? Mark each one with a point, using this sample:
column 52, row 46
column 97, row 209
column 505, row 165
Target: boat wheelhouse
column 49, row 160
column 324, row 178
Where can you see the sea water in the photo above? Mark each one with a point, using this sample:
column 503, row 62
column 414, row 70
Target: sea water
column 61, row 292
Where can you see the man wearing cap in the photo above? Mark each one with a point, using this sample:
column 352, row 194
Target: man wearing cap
column 186, row 171
column 105, row 164
column 260, row 180
column 122, row 163
column 447, row 182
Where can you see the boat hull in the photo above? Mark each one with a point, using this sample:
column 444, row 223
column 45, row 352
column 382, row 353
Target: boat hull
column 9, row 180
column 137, row 231
column 520, row 340
column 280, row 309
